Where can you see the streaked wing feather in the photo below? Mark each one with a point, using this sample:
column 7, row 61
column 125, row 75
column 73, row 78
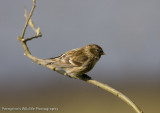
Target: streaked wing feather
column 73, row 58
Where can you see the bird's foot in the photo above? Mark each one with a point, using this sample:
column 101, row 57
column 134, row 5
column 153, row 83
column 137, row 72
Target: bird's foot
column 85, row 77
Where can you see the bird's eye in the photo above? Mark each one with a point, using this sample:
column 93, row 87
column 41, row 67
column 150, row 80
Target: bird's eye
column 97, row 50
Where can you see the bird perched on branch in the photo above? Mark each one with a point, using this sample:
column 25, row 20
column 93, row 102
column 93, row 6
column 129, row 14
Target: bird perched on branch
column 77, row 61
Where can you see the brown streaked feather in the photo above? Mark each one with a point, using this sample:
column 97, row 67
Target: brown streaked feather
column 77, row 61
column 67, row 59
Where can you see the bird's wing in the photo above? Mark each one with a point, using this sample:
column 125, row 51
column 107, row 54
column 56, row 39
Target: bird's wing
column 73, row 58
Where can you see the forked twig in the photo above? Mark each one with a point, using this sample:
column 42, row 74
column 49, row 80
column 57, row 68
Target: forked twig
column 26, row 24
column 85, row 78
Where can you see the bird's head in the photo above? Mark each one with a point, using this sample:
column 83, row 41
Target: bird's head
column 95, row 50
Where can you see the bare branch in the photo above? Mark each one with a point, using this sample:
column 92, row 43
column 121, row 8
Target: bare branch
column 116, row 93
column 36, row 36
column 85, row 78
column 37, row 31
column 26, row 24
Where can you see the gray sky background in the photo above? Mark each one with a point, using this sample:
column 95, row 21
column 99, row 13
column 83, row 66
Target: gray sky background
column 127, row 30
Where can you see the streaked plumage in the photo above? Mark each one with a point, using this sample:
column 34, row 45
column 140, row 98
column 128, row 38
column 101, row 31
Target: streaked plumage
column 77, row 61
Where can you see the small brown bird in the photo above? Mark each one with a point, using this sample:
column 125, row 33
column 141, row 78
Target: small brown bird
column 77, row 61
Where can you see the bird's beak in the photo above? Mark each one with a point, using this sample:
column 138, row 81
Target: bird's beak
column 103, row 53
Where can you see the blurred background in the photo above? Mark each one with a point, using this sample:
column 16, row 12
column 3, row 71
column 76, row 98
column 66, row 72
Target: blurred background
column 127, row 30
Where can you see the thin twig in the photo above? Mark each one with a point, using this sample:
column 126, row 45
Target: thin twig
column 36, row 36
column 116, row 93
column 26, row 24
column 85, row 78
